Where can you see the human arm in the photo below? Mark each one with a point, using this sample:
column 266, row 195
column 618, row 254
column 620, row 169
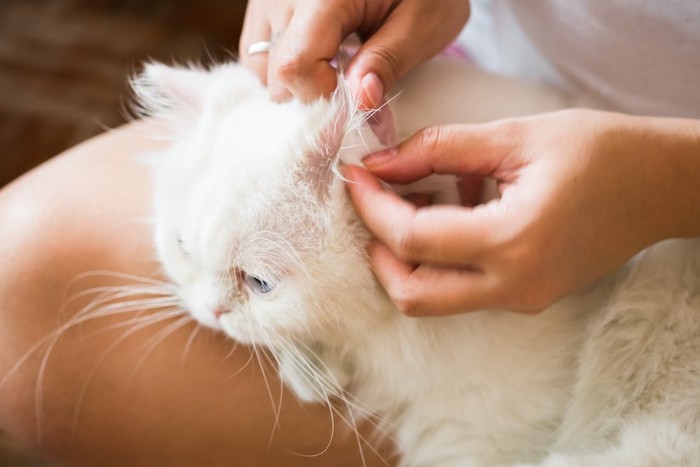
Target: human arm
column 581, row 192
column 398, row 36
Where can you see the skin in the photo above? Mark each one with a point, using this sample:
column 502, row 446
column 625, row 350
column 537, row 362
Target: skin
column 310, row 33
column 588, row 188
column 582, row 191
column 84, row 211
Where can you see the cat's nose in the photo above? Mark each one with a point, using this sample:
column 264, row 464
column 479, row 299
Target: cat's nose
column 219, row 311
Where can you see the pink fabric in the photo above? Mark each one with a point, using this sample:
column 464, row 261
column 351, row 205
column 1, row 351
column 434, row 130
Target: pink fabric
column 456, row 50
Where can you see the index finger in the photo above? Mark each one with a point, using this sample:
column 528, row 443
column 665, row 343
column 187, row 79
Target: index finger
column 477, row 149
column 440, row 235
column 301, row 62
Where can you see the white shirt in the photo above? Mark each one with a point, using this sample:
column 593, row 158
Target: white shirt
column 636, row 56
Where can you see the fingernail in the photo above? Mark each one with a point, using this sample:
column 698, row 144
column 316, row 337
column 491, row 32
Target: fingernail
column 379, row 158
column 348, row 172
column 372, row 90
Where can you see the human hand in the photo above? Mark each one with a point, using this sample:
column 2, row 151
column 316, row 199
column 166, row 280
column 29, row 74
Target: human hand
column 398, row 35
column 581, row 192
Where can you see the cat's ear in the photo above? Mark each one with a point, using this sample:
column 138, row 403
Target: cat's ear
column 162, row 89
column 323, row 134
column 346, row 136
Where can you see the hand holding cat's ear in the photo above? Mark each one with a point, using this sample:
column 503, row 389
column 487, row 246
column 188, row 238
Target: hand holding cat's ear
column 575, row 204
column 309, row 33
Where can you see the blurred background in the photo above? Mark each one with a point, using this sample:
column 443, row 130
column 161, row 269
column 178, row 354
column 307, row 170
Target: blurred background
column 64, row 64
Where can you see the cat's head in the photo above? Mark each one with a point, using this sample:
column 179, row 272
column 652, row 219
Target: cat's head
column 252, row 222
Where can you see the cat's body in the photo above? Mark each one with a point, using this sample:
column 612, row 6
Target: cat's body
column 255, row 227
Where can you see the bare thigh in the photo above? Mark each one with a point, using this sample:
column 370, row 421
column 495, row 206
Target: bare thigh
column 146, row 393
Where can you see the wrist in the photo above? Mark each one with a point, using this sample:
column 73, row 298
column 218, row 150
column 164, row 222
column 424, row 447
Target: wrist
column 670, row 149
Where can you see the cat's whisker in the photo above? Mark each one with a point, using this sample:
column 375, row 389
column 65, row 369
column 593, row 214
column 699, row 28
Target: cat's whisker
column 141, row 306
column 339, row 393
column 121, row 275
column 156, row 340
column 327, row 389
column 126, row 290
column 113, row 297
column 139, row 326
column 234, row 347
column 358, row 437
column 106, row 294
column 256, row 351
column 102, row 297
column 49, row 341
column 274, row 362
column 189, row 342
column 251, row 357
column 39, row 344
column 113, row 302
column 52, row 342
column 294, row 353
column 138, row 320
column 109, row 301
column 105, row 305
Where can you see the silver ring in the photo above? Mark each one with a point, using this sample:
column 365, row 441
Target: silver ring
column 259, row 47
column 262, row 47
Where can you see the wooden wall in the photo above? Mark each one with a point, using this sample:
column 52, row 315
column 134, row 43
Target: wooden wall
column 64, row 63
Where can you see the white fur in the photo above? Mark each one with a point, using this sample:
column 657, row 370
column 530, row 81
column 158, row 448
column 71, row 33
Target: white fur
column 609, row 377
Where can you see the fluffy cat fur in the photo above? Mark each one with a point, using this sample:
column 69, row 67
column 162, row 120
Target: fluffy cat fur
column 254, row 227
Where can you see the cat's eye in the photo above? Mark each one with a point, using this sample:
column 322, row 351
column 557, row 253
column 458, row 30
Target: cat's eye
column 256, row 284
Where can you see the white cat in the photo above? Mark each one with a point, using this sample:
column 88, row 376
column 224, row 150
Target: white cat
column 256, row 230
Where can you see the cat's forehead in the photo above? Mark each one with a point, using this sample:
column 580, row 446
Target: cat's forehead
column 255, row 135
column 232, row 177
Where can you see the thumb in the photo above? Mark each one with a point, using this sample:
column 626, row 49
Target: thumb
column 450, row 149
column 410, row 34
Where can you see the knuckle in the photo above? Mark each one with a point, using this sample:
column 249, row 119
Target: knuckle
column 408, row 305
column 508, row 130
column 388, row 59
column 430, row 138
column 279, row 93
column 291, row 67
column 406, row 301
column 408, row 246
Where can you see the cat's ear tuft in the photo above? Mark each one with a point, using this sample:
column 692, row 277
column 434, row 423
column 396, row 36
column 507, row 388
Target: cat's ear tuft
column 162, row 89
column 341, row 133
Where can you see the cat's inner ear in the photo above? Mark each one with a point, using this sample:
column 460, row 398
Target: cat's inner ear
column 373, row 132
column 163, row 89
column 381, row 122
column 346, row 137
column 321, row 155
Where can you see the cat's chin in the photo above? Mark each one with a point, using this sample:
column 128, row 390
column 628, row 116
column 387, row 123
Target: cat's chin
column 205, row 319
column 262, row 338
column 242, row 334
